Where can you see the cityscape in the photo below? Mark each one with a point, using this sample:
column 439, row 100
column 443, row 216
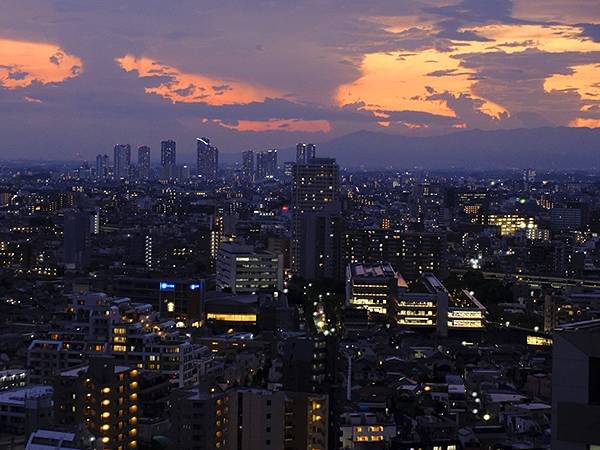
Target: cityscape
column 300, row 225
column 296, row 304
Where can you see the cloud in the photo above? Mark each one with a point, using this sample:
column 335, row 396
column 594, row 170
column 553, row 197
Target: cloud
column 266, row 72
column 25, row 62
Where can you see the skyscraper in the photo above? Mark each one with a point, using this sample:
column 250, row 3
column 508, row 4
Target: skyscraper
column 102, row 163
column 168, row 159
column 122, row 161
column 315, row 186
column 266, row 164
column 248, row 165
column 168, row 153
column 144, row 162
column 305, row 152
column 76, row 234
column 208, row 160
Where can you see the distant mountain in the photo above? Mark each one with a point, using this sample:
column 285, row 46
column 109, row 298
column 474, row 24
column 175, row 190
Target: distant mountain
column 543, row 148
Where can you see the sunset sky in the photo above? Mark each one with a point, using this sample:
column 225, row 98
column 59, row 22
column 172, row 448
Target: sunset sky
column 77, row 76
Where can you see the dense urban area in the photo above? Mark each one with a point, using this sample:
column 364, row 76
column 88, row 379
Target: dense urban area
column 296, row 305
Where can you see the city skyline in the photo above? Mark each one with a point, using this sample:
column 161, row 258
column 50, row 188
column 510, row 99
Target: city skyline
column 419, row 69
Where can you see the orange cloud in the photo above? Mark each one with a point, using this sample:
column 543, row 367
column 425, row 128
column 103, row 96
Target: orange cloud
column 298, row 125
column 23, row 62
column 589, row 123
column 584, row 80
column 194, row 88
column 404, row 81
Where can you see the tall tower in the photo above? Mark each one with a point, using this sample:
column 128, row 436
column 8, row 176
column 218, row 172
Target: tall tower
column 144, row 162
column 102, row 162
column 315, row 187
column 266, row 164
column 305, row 152
column 168, row 159
column 76, row 237
column 248, row 165
column 122, row 161
column 168, row 153
column 208, row 160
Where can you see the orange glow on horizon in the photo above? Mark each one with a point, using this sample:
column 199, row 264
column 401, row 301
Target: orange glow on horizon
column 194, row 88
column 585, row 123
column 289, row 125
column 24, row 62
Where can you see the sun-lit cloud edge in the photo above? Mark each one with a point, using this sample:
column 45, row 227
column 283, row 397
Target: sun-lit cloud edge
column 25, row 62
column 406, row 80
column 182, row 87
column 285, row 125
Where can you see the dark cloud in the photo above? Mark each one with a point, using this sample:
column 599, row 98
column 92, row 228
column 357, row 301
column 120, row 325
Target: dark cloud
column 590, row 31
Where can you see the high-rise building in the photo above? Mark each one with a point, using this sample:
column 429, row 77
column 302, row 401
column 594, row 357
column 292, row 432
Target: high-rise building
column 122, row 160
column 144, row 162
column 208, row 160
column 168, row 153
column 244, row 270
column 76, row 235
column 305, row 152
column 576, row 386
column 320, row 236
column 102, row 163
column 168, row 159
column 103, row 396
column 266, row 164
column 315, row 185
column 248, row 165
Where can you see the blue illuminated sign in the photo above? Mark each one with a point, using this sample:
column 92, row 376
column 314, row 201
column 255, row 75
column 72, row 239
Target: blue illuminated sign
column 165, row 286
column 194, row 287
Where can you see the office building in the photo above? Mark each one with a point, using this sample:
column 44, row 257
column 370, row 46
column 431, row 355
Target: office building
column 305, row 152
column 207, row 160
column 571, row 217
column 576, row 386
column 102, row 166
column 321, row 235
column 243, row 270
column 168, row 153
column 266, row 164
column 372, row 286
column 102, row 395
column 509, row 224
column 248, row 166
column 143, row 162
column 168, row 160
column 122, row 161
column 433, row 307
column 176, row 298
column 315, row 186
column 76, row 235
